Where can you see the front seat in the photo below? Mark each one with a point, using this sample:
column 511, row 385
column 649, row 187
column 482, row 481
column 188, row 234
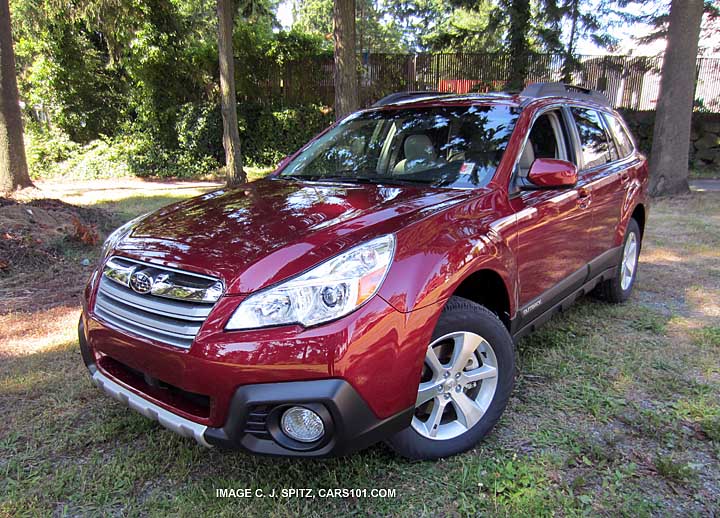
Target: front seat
column 526, row 159
column 419, row 155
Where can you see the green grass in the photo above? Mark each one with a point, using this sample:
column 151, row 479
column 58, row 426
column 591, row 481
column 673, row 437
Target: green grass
column 616, row 412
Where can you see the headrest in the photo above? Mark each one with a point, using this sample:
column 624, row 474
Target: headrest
column 419, row 147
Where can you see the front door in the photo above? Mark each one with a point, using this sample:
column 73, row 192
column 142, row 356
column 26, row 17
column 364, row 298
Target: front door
column 552, row 224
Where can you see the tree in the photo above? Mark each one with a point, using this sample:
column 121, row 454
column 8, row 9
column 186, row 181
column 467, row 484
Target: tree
column 346, row 77
column 569, row 61
column 518, row 44
column 13, row 165
column 228, row 99
column 376, row 26
column 463, row 29
column 673, row 116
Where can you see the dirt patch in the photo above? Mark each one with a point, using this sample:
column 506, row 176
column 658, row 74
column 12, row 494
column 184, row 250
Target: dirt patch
column 45, row 247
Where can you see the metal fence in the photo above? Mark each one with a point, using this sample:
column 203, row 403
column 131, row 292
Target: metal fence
column 629, row 81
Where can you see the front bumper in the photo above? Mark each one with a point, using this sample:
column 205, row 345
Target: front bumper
column 173, row 422
column 254, row 412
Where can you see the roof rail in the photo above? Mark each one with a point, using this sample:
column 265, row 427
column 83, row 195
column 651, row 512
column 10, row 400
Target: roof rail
column 537, row 90
column 405, row 96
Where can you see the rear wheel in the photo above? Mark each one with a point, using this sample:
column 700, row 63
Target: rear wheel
column 466, row 381
column 619, row 288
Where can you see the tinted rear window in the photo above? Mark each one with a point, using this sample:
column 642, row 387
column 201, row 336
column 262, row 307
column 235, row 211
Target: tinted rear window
column 624, row 144
column 593, row 139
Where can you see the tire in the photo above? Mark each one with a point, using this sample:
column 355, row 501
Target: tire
column 619, row 288
column 467, row 412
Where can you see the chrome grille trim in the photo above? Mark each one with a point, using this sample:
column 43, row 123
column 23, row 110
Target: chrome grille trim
column 168, row 321
column 165, row 307
column 163, row 281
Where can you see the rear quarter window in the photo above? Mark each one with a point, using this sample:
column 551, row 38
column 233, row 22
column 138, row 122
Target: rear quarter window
column 622, row 139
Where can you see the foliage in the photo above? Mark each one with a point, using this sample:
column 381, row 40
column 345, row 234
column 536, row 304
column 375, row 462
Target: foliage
column 53, row 154
column 377, row 29
column 268, row 133
column 65, row 72
column 293, row 45
column 465, row 29
column 100, row 77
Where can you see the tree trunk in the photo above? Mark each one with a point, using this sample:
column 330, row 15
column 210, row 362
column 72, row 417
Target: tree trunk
column 346, row 83
column 673, row 116
column 228, row 99
column 13, row 165
column 518, row 45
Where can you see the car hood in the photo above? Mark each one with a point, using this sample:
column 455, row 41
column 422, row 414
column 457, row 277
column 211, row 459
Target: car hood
column 271, row 229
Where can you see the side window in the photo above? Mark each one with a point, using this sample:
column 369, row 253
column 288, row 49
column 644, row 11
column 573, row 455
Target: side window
column 546, row 140
column 624, row 144
column 596, row 147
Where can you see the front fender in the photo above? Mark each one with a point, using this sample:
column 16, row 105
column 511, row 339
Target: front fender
column 435, row 255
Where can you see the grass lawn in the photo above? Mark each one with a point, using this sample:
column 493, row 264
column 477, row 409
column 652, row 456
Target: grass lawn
column 616, row 410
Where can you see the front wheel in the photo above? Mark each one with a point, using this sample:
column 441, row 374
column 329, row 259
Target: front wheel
column 467, row 378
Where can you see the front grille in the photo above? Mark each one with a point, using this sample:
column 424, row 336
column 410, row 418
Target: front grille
column 170, row 321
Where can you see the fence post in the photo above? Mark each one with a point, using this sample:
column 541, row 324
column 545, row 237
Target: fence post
column 437, row 72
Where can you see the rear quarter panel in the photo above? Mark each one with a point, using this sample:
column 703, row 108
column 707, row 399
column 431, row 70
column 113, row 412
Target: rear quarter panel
column 636, row 193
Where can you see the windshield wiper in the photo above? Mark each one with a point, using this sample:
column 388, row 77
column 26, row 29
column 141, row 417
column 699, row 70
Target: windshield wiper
column 376, row 180
column 295, row 177
column 356, row 179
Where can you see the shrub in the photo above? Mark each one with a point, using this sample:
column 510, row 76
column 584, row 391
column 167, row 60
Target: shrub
column 45, row 149
column 52, row 154
column 267, row 135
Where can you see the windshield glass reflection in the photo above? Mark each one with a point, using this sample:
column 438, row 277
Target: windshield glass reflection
column 449, row 146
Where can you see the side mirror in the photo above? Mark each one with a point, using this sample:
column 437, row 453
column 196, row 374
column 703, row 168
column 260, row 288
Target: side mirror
column 550, row 173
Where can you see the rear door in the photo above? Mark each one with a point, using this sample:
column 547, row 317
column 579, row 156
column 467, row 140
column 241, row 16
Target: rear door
column 552, row 224
column 601, row 171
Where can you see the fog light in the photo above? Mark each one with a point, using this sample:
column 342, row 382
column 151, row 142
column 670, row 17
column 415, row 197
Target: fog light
column 302, row 424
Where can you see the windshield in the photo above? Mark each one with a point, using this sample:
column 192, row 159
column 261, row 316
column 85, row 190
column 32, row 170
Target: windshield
column 450, row 146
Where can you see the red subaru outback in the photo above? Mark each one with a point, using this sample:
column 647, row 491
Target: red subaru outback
column 373, row 287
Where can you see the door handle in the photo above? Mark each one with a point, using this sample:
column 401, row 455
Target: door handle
column 584, row 197
column 624, row 178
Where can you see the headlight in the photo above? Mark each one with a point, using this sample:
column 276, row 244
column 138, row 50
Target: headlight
column 118, row 234
column 328, row 291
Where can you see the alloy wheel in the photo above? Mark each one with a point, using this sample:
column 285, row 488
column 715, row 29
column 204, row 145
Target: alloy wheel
column 629, row 261
column 457, row 386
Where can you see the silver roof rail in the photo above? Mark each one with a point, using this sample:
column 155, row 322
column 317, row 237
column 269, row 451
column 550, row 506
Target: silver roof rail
column 538, row 90
column 406, row 96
